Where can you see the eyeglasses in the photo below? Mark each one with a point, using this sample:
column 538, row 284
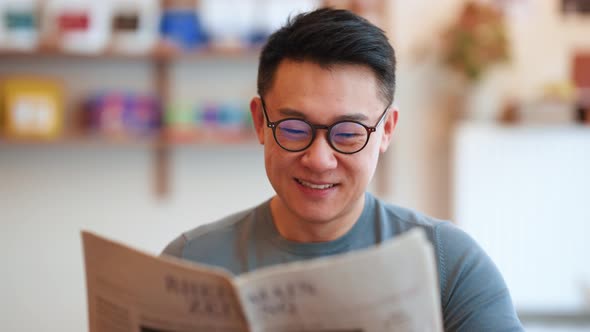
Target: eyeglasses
column 346, row 136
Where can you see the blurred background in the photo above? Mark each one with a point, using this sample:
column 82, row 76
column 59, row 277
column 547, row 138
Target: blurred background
column 130, row 118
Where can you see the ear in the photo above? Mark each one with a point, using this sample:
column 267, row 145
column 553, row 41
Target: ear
column 388, row 128
column 257, row 118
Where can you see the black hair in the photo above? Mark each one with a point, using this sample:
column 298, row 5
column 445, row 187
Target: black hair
column 327, row 37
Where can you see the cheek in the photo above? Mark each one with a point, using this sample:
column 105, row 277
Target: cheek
column 277, row 160
column 368, row 161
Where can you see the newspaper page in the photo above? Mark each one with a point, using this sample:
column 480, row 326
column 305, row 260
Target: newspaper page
column 129, row 291
column 391, row 287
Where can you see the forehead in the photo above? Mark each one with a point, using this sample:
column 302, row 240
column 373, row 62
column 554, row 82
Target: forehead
column 306, row 86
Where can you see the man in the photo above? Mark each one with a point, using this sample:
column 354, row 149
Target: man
column 324, row 114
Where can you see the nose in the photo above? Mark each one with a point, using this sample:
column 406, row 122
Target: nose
column 319, row 157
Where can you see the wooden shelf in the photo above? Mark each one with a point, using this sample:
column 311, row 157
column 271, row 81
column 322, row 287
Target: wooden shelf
column 80, row 139
column 158, row 54
column 98, row 140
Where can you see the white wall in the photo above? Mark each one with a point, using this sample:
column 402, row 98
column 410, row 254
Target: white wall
column 48, row 194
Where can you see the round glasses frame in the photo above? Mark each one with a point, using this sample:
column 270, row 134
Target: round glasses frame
column 315, row 128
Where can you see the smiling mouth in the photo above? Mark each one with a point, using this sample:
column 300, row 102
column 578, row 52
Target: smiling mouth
column 314, row 185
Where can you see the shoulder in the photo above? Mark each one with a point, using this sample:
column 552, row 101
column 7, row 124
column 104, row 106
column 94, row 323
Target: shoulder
column 393, row 220
column 474, row 296
column 445, row 236
column 210, row 235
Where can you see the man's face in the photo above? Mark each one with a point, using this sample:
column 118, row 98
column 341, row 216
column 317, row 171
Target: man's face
column 320, row 185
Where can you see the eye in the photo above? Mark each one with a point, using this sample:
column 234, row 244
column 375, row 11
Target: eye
column 293, row 130
column 347, row 135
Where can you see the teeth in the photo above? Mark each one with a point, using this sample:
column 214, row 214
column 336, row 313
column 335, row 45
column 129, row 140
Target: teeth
column 315, row 186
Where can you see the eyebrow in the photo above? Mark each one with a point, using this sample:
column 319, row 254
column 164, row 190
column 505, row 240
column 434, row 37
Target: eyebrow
column 289, row 112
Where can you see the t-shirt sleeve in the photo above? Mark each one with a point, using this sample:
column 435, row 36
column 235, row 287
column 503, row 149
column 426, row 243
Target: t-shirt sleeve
column 176, row 247
column 474, row 294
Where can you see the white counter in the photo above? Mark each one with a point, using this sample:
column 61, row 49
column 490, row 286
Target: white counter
column 524, row 194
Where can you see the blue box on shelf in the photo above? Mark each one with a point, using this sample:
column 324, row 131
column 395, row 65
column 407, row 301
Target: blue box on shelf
column 182, row 27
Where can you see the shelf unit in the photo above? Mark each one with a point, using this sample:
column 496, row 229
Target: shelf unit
column 160, row 61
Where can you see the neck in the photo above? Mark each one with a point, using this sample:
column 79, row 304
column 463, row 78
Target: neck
column 294, row 228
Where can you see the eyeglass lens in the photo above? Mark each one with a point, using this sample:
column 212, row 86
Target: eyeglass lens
column 346, row 136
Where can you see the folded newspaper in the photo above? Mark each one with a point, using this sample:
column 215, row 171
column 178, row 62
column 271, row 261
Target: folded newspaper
column 388, row 287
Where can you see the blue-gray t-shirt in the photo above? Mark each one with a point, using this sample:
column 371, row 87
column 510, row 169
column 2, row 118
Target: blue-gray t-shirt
column 474, row 297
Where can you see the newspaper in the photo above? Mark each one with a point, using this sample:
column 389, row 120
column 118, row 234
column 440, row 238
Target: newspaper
column 388, row 287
